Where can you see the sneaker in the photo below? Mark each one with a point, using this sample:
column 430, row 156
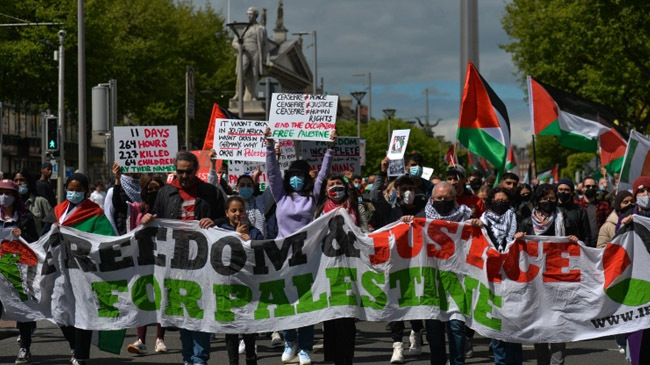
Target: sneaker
column 74, row 361
column 416, row 343
column 469, row 348
column 23, row 356
column 18, row 339
column 137, row 348
column 621, row 350
column 398, row 355
column 242, row 347
column 276, row 339
column 304, row 358
column 160, row 346
column 290, row 351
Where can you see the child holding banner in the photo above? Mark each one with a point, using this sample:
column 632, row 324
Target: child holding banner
column 295, row 196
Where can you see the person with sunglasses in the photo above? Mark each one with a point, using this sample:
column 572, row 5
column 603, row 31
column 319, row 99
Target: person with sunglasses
column 597, row 210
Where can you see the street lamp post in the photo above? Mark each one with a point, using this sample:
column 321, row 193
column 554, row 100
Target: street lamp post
column 61, row 167
column 389, row 113
column 240, row 28
column 358, row 95
column 369, row 93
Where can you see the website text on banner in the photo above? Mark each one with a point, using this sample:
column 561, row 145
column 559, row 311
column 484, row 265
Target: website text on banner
column 240, row 140
column 347, row 154
column 303, row 116
column 177, row 274
column 146, row 149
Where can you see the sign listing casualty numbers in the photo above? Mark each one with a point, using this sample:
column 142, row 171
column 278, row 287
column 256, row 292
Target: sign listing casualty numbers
column 146, row 149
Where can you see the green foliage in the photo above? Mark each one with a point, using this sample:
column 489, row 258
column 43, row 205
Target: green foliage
column 376, row 135
column 597, row 49
column 145, row 45
column 576, row 162
column 549, row 152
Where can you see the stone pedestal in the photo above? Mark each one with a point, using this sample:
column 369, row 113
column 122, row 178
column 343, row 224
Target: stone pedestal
column 253, row 110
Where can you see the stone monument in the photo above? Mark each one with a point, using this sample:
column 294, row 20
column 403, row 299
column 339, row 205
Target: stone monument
column 254, row 55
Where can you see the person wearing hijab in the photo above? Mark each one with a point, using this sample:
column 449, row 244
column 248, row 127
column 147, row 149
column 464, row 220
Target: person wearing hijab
column 623, row 204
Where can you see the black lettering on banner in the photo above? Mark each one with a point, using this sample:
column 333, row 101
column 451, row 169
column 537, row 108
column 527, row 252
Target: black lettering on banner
column 53, row 242
column 181, row 259
column 77, row 251
column 278, row 256
column 109, row 251
column 237, row 256
column 344, row 240
column 147, row 246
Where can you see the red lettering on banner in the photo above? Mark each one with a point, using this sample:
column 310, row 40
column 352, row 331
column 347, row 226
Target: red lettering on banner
column 382, row 248
column 447, row 245
column 403, row 248
column 494, row 264
column 555, row 261
column 511, row 263
column 478, row 246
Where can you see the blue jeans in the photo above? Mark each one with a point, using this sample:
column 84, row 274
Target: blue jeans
column 436, row 339
column 507, row 353
column 305, row 337
column 196, row 346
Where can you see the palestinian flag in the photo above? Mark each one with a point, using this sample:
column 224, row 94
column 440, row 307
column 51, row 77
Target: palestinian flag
column 217, row 113
column 483, row 126
column 477, row 163
column 612, row 151
column 554, row 112
column 551, row 176
column 450, row 157
column 636, row 161
column 510, row 161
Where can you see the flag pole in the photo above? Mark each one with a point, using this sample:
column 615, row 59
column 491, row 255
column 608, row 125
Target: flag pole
column 534, row 158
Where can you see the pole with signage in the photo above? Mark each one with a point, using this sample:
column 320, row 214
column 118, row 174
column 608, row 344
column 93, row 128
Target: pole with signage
column 189, row 103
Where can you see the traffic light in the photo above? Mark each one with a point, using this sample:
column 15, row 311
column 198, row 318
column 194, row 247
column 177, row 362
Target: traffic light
column 52, row 134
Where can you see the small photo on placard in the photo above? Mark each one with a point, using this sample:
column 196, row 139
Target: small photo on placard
column 396, row 167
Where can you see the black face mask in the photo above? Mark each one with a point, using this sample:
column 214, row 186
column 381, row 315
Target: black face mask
column 548, row 207
column 626, row 209
column 591, row 193
column 151, row 198
column 524, row 198
column 475, row 184
column 500, row 207
column 443, row 207
column 564, row 197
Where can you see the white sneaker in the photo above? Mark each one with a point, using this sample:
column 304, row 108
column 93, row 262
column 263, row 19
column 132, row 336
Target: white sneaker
column 416, row 343
column 303, row 355
column 398, row 355
column 242, row 347
column 137, row 348
column 290, row 351
column 276, row 339
column 160, row 346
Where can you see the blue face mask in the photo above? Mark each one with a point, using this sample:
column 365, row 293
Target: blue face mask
column 416, row 171
column 245, row 192
column 75, row 197
column 369, row 187
column 602, row 188
column 22, row 189
column 357, row 186
column 297, row 183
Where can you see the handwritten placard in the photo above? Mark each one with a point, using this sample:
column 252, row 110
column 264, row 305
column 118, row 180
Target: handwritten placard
column 398, row 142
column 303, row 116
column 238, row 168
column 240, row 140
column 347, row 154
column 146, row 149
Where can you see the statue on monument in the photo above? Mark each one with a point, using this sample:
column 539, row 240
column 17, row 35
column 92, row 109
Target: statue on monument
column 254, row 55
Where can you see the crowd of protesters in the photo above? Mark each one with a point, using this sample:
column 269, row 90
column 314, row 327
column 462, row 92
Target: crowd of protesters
column 590, row 211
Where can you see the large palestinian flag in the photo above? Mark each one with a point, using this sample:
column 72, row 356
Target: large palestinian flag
column 217, row 113
column 554, row 112
column 636, row 161
column 612, row 151
column 483, row 126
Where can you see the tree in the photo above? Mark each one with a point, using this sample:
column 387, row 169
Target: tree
column 145, row 45
column 597, row 49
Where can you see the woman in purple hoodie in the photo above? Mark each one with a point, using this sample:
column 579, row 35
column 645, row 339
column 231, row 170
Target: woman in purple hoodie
column 296, row 196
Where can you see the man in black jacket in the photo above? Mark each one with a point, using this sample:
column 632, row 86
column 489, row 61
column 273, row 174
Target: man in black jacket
column 575, row 213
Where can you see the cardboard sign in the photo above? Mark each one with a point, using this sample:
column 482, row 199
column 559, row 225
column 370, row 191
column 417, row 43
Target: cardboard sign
column 303, row 116
column 396, row 167
column 238, row 168
column 427, row 172
column 398, row 142
column 146, row 149
column 347, row 154
column 240, row 140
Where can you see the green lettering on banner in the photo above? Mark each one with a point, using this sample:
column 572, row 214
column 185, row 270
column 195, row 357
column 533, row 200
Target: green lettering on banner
column 470, row 286
column 140, row 296
column 272, row 292
column 189, row 300
column 225, row 301
column 369, row 281
column 483, row 307
column 105, row 297
column 339, row 286
column 406, row 286
column 452, row 286
column 306, row 301
column 432, row 291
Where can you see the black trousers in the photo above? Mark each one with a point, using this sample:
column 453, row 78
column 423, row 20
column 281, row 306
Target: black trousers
column 25, row 329
column 232, row 347
column 339, row 340
column 79, row 341
column 397, row 329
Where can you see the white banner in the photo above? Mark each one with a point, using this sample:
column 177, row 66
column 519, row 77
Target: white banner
column 543, row 289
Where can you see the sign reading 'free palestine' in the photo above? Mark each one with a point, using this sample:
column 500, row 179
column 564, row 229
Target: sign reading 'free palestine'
column 303, row 116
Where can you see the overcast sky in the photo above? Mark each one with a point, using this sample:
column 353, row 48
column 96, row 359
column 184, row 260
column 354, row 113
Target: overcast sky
column 407, row 45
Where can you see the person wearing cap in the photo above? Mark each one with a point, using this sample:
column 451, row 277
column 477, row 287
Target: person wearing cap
column 574, row 213
column 78, row 212
column 15, row 217
column 456, row 177
column 44, row 187
column 597, row 210
column 296, row 196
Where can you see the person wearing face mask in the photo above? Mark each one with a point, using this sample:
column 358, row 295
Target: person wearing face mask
column 15, row 217
column 623, row 204
column 296, row 196
column 522, row 204
column 37, row 205
column 547, row 219
column 597, row 210
column 414, row 165
column 366, row 209
column 464, row 196
column 126, row 190
column 575, row 213
column 80, row 213
column 257, row 206
column 475, row 181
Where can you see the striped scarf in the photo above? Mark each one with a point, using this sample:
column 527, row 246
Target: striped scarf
column 542, row 223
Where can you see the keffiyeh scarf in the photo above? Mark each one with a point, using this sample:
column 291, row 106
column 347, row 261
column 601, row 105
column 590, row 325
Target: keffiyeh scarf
column 459, row 214
column 132, row 188
column 501, row 228
column 542, row 223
